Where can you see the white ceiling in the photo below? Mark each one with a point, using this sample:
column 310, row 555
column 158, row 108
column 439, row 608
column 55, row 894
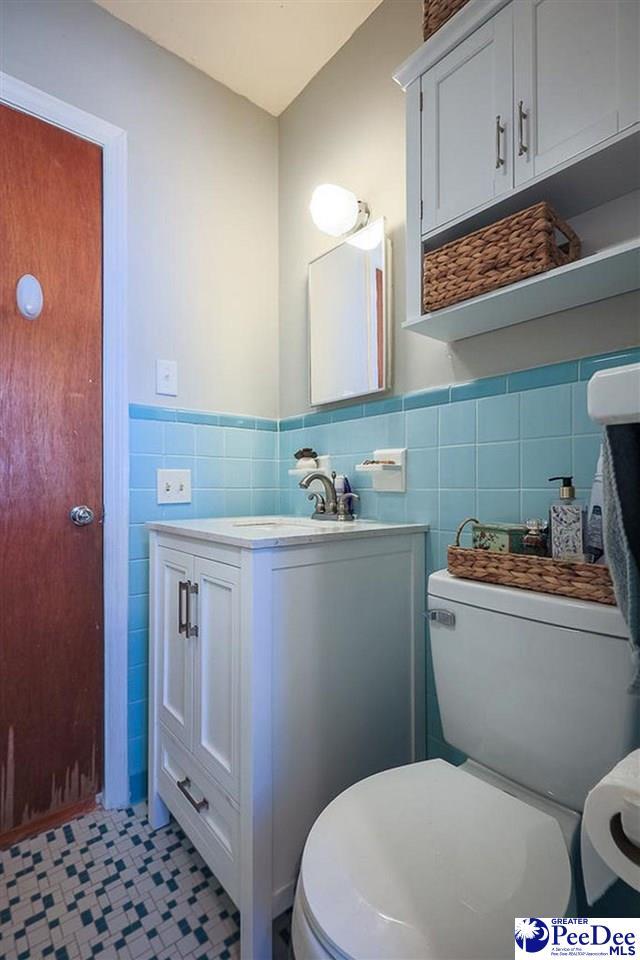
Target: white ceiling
column 266, row 50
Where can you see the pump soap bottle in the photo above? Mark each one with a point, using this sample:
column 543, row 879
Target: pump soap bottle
column 567, row 517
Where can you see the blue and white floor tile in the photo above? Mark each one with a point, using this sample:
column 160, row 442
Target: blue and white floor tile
column 107, row 885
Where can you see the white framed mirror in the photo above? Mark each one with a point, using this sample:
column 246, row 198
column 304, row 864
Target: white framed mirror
column 349, row 324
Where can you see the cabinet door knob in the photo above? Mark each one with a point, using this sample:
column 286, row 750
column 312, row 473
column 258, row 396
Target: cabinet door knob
column 499, row 131
column 522, row 116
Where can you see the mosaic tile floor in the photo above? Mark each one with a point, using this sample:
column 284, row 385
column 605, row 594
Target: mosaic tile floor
column 107, row 885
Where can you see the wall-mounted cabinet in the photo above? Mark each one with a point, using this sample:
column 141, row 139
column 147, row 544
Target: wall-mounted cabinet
column 511, row 103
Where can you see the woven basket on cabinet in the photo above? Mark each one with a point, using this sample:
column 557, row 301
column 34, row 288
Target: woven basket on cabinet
column 504, row 252
column 437, row 12
column 581, row 581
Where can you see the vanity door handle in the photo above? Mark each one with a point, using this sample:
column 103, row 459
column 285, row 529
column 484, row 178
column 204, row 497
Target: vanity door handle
column 499, row 131
column 522, row 116
column 191, row 629
column 183, row 591
column 198, row 805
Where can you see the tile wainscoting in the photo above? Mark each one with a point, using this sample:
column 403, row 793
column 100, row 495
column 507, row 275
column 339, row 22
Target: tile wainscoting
column 483, row 448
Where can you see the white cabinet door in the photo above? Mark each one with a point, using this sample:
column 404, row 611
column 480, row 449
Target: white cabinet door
column 467, row 133
column 173, row 572
column 576, row 75
column 216, row 672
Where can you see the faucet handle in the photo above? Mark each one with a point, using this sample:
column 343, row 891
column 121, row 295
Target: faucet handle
column 345, row 504
column 321, row 505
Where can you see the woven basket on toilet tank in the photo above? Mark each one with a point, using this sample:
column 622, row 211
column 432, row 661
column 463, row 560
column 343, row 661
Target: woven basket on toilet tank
column 519, row 246
column 581, row 581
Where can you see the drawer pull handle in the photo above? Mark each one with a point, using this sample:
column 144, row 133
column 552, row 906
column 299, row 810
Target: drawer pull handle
column 499, row 131
column 445, row 617
column 183, row 591
column 183, row 787
column 522, row 116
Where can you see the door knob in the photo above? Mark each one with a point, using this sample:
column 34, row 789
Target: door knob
column 81, row 515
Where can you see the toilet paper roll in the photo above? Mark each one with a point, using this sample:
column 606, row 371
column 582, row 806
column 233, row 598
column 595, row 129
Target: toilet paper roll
column 610, row 833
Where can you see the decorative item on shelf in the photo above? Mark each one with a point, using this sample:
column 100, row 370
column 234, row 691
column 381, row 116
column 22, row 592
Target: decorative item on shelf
column 388, row 469
column 498, row 537
column 502, row 253
column 535, row 540
column 581, row 581
column 307, row 458
column 436, row 12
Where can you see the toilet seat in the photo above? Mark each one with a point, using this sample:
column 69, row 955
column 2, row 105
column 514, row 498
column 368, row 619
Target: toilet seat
column 428, row 861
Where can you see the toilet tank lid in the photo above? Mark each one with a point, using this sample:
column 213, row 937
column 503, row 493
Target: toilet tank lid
column 544, row 607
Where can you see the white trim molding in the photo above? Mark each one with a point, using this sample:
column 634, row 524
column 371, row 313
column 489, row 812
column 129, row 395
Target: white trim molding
column 113, row 142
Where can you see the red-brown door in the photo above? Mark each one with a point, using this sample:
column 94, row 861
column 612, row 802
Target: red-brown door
column 51, row 608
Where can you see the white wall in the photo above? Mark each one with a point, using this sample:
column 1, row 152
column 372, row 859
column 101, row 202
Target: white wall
column 203, row 213
column 347, row 127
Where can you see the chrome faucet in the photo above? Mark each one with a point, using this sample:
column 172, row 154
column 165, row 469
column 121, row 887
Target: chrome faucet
column 331, row 506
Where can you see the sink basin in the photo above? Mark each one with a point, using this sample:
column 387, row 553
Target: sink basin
column 275, row 522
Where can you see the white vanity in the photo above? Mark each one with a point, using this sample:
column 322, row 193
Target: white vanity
column 286, row 663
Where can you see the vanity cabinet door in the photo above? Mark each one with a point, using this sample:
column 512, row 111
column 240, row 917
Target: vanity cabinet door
column 173, row 574
column 467, row 132
column 576, row 78
column 216, row 672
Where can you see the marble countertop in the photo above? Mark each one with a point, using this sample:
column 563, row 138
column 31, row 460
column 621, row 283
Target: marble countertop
column 263, row 532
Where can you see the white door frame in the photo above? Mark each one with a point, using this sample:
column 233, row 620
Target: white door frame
column 113, row 142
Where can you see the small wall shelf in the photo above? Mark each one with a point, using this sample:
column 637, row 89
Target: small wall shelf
column 387, row 477
column 610, row 271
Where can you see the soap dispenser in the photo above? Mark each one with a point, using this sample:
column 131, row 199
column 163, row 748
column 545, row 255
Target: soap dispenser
column 567, row 517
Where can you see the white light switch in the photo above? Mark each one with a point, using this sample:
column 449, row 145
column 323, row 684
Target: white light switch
column 174, row 486
column 167, row 378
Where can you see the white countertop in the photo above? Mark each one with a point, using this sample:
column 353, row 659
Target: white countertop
column 261, row 532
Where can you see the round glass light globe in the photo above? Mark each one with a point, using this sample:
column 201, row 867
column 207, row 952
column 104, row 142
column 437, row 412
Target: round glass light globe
column 333, row 209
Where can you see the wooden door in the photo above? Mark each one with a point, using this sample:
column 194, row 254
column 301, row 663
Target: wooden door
column 51, row 616
column 466, row 159
column 173, row 575
column 576, row 75
column 217, row 673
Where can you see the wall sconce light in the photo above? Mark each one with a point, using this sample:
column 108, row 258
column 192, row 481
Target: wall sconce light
column 337, row 211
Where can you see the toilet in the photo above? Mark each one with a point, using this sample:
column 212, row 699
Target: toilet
column 433, row 861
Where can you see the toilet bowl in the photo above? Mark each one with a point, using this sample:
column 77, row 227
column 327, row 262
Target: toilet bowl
column 427, row 862
column 432, row 861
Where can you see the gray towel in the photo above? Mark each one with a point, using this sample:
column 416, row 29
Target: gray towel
column 621, row 495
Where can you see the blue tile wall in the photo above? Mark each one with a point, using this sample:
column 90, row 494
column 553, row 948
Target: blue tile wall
column 484, row 448
column 234, row 470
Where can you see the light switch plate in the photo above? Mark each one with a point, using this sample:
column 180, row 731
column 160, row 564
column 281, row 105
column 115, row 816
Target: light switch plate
column 174, row 486
column 167, row 378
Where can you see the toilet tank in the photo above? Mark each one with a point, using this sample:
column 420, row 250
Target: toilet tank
column 532, row 685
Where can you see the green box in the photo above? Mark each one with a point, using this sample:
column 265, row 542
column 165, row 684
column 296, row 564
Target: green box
column 499, row 537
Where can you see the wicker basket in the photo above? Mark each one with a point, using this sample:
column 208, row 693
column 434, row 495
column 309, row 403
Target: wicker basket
column 505, row 252
column 437, row 12
column 581, row 581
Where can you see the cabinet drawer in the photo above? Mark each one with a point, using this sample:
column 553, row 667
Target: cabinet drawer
column 206, row 813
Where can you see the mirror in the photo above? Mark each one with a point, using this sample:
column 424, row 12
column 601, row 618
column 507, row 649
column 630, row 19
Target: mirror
column 348, row 317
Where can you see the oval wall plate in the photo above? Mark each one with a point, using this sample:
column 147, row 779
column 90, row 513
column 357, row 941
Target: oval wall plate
column 29, row 296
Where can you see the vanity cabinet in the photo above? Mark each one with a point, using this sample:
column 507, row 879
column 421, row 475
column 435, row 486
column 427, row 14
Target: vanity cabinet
column 286, row 663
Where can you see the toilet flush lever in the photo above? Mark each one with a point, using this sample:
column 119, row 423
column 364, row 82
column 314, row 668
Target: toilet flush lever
column 442, row 616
